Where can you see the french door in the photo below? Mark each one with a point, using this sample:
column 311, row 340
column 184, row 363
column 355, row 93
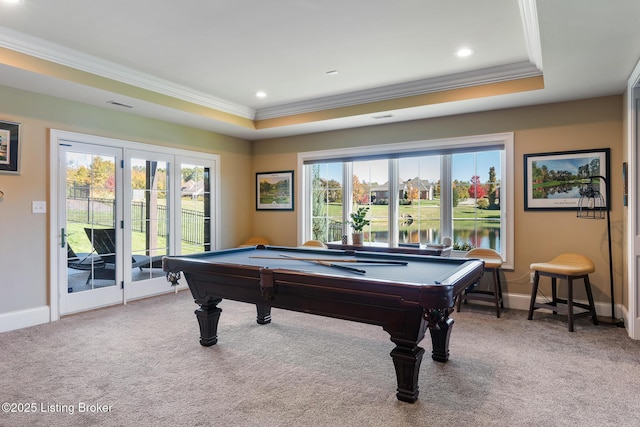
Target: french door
column 90, row 182
column 148, row 221
column 119, row 210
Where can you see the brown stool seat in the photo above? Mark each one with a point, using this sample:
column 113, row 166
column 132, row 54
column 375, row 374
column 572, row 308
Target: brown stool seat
column 315, row 243
column 568, row 267
column 492, row 263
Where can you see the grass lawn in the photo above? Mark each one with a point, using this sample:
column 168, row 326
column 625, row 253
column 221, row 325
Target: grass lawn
column 424, row 210
column 79, row 241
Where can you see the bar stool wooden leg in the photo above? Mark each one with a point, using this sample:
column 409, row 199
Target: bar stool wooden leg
column 500, row 289
column 496, row 291
column 534, row 293
column 570, row 303
column 554, row 293
column 587, row 285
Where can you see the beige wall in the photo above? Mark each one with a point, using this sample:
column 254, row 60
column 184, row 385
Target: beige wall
column 594, row 123
column 539, row 236
column 24, row 237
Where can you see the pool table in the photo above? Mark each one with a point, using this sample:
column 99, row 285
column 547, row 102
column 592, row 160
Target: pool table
column 404, row 294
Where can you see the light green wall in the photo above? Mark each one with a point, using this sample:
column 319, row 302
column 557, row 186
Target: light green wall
column 539, row 236
column 24, row 237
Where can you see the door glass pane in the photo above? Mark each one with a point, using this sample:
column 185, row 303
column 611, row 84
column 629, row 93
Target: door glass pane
column 476, row 200
column 371, row 188
column 419, row 200
column 327, row 202
column 91, row 221
column 195, row 209
column 149, row 218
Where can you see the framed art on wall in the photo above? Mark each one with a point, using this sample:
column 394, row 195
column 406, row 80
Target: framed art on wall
column 555, row 181
column 274, row 191
column 9, row 147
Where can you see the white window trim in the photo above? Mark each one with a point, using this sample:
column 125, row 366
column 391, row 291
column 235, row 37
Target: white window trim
column 477, row 141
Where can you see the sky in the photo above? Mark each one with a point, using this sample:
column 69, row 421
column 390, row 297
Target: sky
column 570, row 164
column 465, row 166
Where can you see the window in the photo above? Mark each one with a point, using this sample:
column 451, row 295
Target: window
column 476, row 201
column 326, row 202
column 419, row 199
column 416, row 192
column 195, row 207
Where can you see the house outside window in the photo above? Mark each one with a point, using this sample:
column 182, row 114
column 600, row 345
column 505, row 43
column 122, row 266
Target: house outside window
column 416, row 193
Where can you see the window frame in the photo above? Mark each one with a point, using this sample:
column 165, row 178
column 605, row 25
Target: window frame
column 434, row 146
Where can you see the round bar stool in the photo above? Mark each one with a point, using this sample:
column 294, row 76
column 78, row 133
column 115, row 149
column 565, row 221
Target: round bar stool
column 568, row 267
column 315, row 244
column 492, row 263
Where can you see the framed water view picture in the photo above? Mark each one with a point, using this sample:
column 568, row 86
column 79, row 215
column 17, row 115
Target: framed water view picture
column 274, row 191
column 555, row 181
column 9, row 147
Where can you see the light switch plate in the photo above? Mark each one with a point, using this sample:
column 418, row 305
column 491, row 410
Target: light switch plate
column 38, row 207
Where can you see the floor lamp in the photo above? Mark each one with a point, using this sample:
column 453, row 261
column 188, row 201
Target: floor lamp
column 592, row 205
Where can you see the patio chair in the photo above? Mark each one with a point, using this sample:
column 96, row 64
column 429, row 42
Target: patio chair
column 104, row 244
column 82, row 261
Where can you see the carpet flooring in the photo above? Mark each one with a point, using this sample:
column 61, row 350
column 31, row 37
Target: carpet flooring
column 141, row 365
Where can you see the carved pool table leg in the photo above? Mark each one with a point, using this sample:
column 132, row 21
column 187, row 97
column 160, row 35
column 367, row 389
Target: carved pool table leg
column 264, row 314
column 440, row 340
column 208, row 316
column 407, row 363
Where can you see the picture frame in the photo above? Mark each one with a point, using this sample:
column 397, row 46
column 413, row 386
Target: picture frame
column 9, row 147
column 274, row 191
column 554, row 181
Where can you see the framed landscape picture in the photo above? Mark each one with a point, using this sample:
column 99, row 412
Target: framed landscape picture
column 9, row 147
column 274, row 191
column 557, row 180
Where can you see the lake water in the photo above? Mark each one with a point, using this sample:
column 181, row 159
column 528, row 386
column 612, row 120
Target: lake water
column 483, row 238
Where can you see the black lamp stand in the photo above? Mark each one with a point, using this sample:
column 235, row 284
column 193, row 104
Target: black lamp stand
column 594, row 209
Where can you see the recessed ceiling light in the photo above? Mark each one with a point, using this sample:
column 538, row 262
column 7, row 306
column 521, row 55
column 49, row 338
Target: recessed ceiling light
column 261, row 94
column 119, row 104
column 12, row 1
column 332, row 72
column 464, row 52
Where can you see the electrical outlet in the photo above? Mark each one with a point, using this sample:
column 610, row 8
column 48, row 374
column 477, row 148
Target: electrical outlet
column 532, row 277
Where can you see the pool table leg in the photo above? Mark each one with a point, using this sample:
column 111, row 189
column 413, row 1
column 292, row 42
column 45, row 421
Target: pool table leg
column 208, row 316
column 407, row 363
column 264, row 314
column 440, row 339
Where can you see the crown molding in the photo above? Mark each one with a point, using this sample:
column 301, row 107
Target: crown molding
column 529, row 16
column 48, row 51
column 54, row 53
column 501, row 73
column 519, row 70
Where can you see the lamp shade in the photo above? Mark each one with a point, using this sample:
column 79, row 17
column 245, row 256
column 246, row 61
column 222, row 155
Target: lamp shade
column 591, row 204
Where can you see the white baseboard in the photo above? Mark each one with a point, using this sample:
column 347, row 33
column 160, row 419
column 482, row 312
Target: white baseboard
column 39, row 315
column 24, row 318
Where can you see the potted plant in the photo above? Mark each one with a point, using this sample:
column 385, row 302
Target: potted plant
column 460, row 249
column 358, row 222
